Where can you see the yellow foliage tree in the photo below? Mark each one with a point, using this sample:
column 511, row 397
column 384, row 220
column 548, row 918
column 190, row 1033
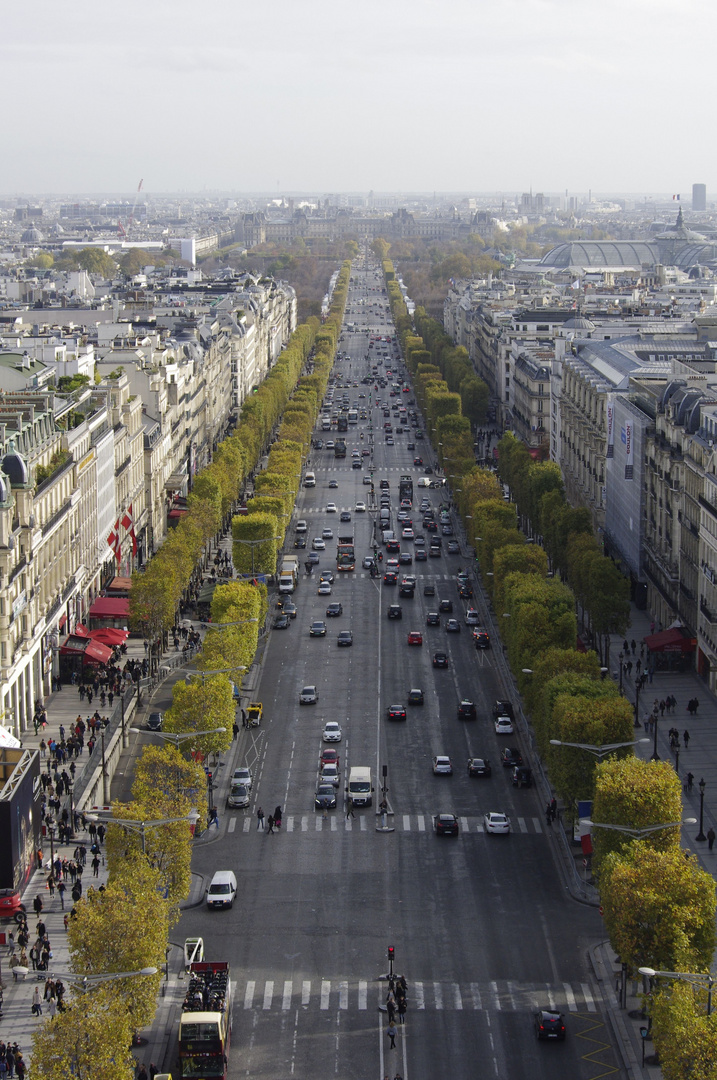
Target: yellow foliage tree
column 86, row 1043
column 204, row 704
column 684, row 1036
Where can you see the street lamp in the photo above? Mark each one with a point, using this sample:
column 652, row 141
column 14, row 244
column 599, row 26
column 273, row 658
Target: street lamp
column 702, row 785
column 598, row 751
column 637, row 833
column 621, row 658
column 216, row 671
column 170, row 737
column 704, row 981
column 224, row 625
column 654, row 756
column 252, row 544
column 141, row 826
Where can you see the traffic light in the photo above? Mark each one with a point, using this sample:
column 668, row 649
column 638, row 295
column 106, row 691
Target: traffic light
column 390, row 954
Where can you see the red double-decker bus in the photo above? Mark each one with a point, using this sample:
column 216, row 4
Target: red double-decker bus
column 345, row 553
column 205, row 1025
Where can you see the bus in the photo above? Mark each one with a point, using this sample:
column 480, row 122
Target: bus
column 405, row 488
column 345, row 553
column 206, row 1022
column 342, row 423
column 353, row 416
column 340, row 448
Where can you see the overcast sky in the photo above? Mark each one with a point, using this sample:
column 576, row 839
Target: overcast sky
column 319, row 96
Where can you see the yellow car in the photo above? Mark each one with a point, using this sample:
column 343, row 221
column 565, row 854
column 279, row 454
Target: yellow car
column 255, row 710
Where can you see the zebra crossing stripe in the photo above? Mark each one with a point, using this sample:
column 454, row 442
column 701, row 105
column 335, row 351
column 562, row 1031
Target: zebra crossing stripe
column 457, row 998
column 362, row 994
column 406, row 823
column 286, row 999
column 343, row 995
column 318, row 824
column 290, row 823
column 232, row 825
column 306, row 992
column 464, row 824
column 570, row 997
column 325, row 991
column 421, row 823
column 551, row 997
column 304, row 824
column 496, row 998
column 588, row 997
column 333, row 824
column 538, row 825
column 438, row 995
column 249, row 994
column 475, row 995
column 418, row 993
column 521, row 825
column 268, row 993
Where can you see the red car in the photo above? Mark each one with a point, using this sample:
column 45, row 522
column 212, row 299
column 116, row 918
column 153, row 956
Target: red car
column 329, row 757
column 415, row 638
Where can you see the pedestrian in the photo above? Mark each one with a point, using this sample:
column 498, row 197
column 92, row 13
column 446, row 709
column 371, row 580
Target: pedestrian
column 349, row 808
column 153, row 1070
column 553, row 809
column 141, row 1073
column 686, row 738
column 548, row 815
column 260, row 820
column 214, row 817
column 391, row 1007
column 391, row 1031
column 37, row 904
column 66, row 921
column 638, row 665
column 270, row 824
column 690, row 779
column 96, row 866
column 235, row 729
column 52, row 1006
column 662, row 708
column 37, row 1002
column 633, row 646
column 277, row 817
column 402, row 1006
column 710, row 838
column 61, row 893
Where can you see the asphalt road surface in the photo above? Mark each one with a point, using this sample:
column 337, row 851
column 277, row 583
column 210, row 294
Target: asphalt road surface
column 482, row 926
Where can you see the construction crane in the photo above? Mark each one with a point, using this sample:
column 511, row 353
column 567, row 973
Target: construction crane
column 121, row 230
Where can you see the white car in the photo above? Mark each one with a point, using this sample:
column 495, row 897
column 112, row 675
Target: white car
column 324, row 588
column 243, row 775
column 407, row 534
column 472, row 617
column 301, row 526
column 332, row 732
column 494, row 822
column 318, row 544
column 360, row 508
column 308, row 696
column 331, row 508
column 504, row 725
column 329, row 775
column 368, row 562
column 327, row 534
column 442, row 766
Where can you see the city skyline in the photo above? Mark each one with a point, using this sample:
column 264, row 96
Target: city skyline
column 529, row 94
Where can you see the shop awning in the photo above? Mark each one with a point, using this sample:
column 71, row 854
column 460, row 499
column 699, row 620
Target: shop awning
column 673, row 640
column 109, row 635
column 77, row 645
column 176, row 481
column 119, row 584
column 110, row 607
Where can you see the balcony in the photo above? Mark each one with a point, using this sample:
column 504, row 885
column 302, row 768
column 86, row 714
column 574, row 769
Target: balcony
column 710, row 616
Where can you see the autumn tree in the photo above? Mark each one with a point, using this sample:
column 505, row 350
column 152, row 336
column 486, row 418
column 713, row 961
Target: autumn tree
column 598, row 719
column 684, row 1036
column 636, row 794
column 203, row 704
column 86, row 1043
column 254, row 548
column 124, row 928
column 659, row 908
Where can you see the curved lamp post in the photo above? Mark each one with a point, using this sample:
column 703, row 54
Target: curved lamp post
column 598, row 751
column 704, row 981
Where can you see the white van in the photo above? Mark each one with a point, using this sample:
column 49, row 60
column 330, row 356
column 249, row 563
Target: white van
column 310, row 480
column 222, row 889
column 360, row 788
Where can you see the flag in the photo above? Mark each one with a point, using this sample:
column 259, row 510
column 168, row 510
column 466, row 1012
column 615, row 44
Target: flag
column 128, row 525
column 675, row 198
column 113, row 541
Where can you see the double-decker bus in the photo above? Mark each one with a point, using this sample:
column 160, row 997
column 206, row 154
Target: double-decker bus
column 343, row 422
column 345, row 553
column 206, row 1022
column 405, row 488
column 340, row 448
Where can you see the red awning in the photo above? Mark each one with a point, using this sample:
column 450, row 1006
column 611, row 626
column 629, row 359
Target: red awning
column 673, row 640
column 76, row 645
column 177, row 512
column 110, row 607
column 109, row 635
column 119, row 585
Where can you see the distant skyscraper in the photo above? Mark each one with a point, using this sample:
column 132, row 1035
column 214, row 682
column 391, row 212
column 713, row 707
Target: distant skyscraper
column 699, row 196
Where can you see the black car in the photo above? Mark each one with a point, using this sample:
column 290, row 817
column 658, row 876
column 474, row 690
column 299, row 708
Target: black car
column 395, row 611
column 482, row 641
column 446, row 605
column 325, row 797
column 445, row 825
column 433, row 619
column 415, row 696
column 466, row 710
column 549, row 1024
column 155, row 721
column 429, row 590
column 522, row 776
column 440, row 660
column 299, row 541
column 478, row 766
column 333, row 610
column 389, row 578
column 281, row 622
column 511, row 756
column 346, row 637
column 465, row 591
column 396, row 712
column 406, row 588
column 503, row 708
column 453, row 626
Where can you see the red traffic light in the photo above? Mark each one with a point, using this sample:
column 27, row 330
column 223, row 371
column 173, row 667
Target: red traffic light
column 391, row 953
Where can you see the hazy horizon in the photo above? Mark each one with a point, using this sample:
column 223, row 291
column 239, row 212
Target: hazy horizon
column 416, row 97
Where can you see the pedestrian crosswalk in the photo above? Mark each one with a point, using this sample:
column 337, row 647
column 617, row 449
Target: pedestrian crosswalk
column 425, row 995
column 419, row 823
